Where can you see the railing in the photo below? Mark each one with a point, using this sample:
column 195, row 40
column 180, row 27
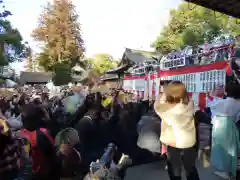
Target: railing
column 222, row 53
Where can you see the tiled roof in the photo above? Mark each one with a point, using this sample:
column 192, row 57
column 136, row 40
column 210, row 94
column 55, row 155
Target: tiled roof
column 88, row 76
column 139, row 56
column 106, row 77
column 230, row 7
column 118, row 69
column 37, row 77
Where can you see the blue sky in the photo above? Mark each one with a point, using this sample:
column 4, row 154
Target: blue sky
column 108, row 25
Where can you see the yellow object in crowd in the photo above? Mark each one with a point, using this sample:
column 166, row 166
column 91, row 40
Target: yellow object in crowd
column 121, row 97
column 107, row 101
column 5, row 127
column 27, row 146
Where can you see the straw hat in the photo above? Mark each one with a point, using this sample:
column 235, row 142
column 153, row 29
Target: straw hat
column 67, row 136
column 7, row 93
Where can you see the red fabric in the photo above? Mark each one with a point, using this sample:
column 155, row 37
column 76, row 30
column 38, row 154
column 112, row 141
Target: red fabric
column 190, row 94
column 35, row 153
column 164, row 149
column 134, row 77
column 202, row 101
column 194, row 69
column 185, row 70
column 228, row 70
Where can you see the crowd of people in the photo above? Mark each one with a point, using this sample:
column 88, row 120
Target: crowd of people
column 39, row 133
column 39, row 139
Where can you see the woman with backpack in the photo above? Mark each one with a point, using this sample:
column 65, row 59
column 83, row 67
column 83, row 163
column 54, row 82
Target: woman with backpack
column 41, row 145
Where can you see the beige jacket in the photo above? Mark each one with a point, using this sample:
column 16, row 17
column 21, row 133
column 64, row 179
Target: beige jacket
column 177, row 126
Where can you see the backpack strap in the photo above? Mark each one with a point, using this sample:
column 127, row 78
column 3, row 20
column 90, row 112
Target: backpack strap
column 46, row 133
column 45, row 144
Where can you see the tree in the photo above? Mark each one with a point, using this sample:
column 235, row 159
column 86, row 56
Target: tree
column 188, row 26
column 12, row 47
column 62, row 74
column 60, row 32
column 30, row 62
column 102, row 62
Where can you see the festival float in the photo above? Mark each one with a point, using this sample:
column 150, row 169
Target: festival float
column 200, row 70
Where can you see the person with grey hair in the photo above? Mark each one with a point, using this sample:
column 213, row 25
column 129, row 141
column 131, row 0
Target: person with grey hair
column 148, row 133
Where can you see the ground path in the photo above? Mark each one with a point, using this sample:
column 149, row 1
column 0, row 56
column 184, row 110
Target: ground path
column 156, row 171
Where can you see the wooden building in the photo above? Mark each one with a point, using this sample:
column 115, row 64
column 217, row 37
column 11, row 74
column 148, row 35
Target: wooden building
column 131, row 59
column 35, row 77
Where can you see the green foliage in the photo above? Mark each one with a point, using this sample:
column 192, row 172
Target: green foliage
column 44, row 60
column 102, row 62
column 62, row 74
column 30, row 66
column 12, row 47
column 190, row 26
column 60, row 32
column 2, row 81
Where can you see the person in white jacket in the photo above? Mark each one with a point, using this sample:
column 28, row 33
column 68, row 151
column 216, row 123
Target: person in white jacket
column 178, row 131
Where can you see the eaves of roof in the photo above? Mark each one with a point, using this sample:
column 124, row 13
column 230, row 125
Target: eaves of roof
column 229, row 7
column 119, row 69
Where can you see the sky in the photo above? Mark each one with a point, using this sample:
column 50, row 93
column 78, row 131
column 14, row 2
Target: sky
column 108, row 26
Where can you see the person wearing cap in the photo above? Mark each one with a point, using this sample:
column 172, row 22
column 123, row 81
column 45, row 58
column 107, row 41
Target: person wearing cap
column 10, row 153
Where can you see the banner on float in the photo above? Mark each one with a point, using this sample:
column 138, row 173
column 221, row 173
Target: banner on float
column 139, row 84
column 128, row 84
column 150, row 85
column 201, row 81
column 157, row 82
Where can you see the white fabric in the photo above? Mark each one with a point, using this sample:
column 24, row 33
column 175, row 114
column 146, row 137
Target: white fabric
column 180, row 125
column 212, row 104
column 227, row 107
column 15, row 123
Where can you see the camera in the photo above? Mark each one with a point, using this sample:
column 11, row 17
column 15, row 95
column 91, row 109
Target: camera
column 105, row 160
